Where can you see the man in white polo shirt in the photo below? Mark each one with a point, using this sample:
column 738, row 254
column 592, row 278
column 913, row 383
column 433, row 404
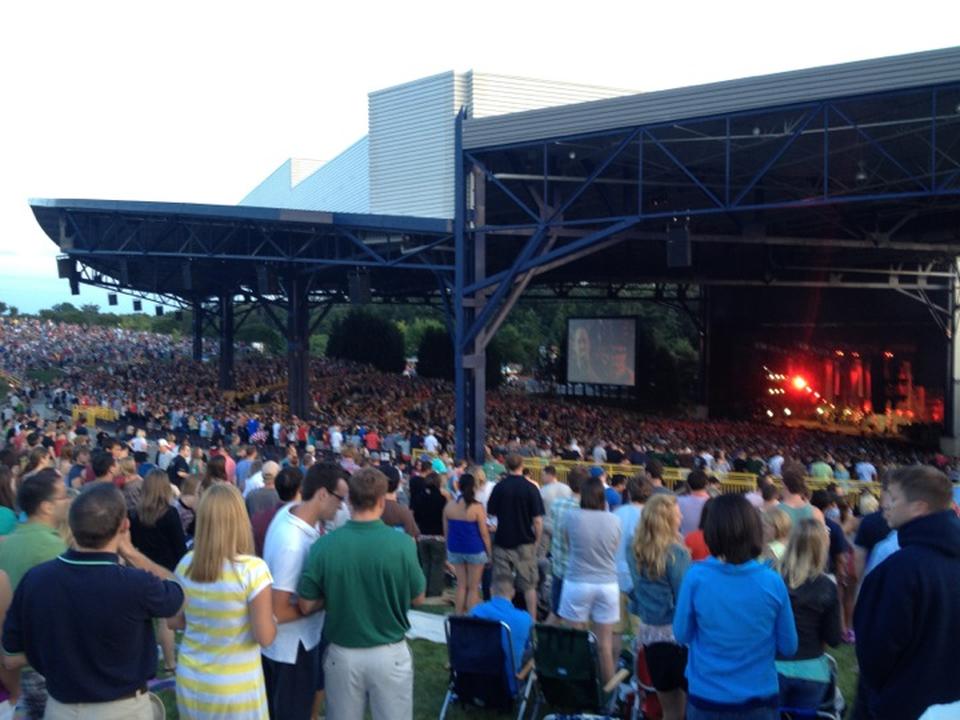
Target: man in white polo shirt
column 291, row 665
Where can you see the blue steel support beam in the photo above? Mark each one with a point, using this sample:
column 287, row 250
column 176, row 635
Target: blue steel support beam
column 686, row 171
column 532, row 245
column 462, row 419
column 871, row 141
column 779, row 154
column 198, row 330
column 509, row 193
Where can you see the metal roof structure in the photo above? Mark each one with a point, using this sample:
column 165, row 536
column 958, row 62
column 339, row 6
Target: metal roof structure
column 875, row 76
column 839, row 177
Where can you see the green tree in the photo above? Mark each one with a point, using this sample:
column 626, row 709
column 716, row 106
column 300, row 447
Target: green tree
column 435, row 358
column 364, row 337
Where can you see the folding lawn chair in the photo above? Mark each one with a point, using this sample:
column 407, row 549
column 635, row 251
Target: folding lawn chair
column 482, row 669
column 646, row 704
column 568, row 673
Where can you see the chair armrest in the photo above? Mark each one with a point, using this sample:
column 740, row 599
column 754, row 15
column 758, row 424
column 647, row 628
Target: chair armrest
column 525, row 670
column 621, row 675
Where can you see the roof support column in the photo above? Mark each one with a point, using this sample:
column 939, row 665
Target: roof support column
column 950, row 443
column 226, row 342
column 705, row 343
column 298, row 346
column 198, row 330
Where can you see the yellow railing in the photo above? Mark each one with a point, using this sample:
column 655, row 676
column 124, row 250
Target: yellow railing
column 673, row 476
column 93, row 413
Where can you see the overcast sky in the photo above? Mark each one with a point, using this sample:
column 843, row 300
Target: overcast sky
column 199, row 101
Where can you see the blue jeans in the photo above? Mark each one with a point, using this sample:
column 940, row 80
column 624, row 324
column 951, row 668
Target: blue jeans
column 759, row 713
column 801, row 694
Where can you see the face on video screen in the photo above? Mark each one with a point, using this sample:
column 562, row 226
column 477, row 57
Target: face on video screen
column 601, row 351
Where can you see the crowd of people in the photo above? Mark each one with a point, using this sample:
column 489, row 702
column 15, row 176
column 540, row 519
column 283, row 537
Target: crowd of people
column 149, row 380
column 289, row 551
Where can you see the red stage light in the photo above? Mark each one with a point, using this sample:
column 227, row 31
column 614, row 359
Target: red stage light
column 799, row 383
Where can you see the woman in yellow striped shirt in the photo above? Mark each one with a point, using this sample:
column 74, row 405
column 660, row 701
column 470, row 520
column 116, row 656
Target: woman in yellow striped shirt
column 227, row 616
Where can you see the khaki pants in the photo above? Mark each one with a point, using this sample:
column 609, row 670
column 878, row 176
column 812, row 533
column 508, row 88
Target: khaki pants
column 384, row 673
column 136, row 708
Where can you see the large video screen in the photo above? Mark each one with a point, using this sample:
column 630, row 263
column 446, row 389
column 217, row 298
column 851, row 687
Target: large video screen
column 602, row 351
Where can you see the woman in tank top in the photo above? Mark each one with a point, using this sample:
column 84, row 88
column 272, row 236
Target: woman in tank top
column 468, row 543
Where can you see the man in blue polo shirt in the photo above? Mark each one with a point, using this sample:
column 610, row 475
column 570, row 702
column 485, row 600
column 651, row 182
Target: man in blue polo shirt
column 84, row 621
column 500, row 608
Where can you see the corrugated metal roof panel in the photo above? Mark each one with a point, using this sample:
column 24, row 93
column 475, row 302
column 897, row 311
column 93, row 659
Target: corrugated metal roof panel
column 848, row 79
column 411, row 147
column 500, row 94
column 341, row 185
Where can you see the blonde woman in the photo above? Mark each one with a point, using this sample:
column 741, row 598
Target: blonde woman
column 659, row 562
column 776, row 531
column 805, row 677
column 227, row 615
column 155, row 530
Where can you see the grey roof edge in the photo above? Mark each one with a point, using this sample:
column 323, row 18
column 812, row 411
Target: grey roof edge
column 898, row 72
column 44, row 207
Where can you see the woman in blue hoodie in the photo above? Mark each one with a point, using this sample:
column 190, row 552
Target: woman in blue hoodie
column 734, row 614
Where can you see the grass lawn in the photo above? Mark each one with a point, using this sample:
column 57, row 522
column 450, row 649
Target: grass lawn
column 45, row 376
column 431, row 675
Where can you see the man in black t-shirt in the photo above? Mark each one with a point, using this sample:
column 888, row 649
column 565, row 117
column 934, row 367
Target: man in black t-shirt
column 518, row 507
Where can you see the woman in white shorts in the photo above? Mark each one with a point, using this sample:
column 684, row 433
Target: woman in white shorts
column 590, row 589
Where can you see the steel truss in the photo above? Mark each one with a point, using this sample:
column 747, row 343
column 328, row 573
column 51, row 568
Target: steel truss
column 224, row 263
column 869, row 179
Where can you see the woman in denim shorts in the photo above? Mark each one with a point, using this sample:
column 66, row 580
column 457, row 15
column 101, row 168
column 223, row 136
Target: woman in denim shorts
column 468, row 543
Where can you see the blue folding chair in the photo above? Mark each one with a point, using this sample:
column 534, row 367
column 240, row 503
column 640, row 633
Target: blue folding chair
column 482, row 669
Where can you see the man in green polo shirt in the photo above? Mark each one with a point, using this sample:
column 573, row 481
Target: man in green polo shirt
column 43, row 497
column 366, row 575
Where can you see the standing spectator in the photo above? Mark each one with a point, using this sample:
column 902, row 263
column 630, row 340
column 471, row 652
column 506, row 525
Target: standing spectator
column 658, row 563
column 907, row 617
column 468, row 543
column 551, row 489
column 156, row 531
column 45, row 501
column 394, row 514
column 265, row 497
column 805, row 678
column 179, row 467
column 427, row 507
column 165, row 454
column 291, row 664
column 694, row 541
column 366, row 576
column 795, row 501
column 776, row 525
column 219, row 674
column 186, row 505
column 8, row 516
column 84, row 621
column 248, row 456
column 639, row 490
column 691, row 504
column 559, row 547
column 9, row 679
column 287, row 485
column 734, row 615
column 518, row 507
column 590, row 589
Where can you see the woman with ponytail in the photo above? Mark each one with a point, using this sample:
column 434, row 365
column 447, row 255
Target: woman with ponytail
column 468, row 543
